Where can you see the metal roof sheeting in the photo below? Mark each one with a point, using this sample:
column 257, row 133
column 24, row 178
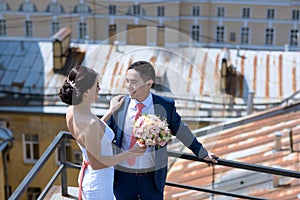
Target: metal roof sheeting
column 252, row 142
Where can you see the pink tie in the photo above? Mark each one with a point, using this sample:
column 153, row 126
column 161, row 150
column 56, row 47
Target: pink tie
column 140, row 107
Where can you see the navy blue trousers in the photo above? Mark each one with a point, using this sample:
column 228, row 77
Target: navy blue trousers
column 129, row 186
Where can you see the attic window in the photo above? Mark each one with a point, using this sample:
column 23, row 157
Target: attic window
column 27, row 7
column 55, row 8
column 82, row 8
column 4, row 6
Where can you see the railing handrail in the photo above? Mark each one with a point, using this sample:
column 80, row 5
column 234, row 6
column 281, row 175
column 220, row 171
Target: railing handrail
column 240, row 165
column 64, row 134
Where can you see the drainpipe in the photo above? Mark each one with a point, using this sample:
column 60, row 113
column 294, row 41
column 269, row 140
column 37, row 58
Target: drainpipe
column 8, row 144
column 4, row 156
column 278, row 135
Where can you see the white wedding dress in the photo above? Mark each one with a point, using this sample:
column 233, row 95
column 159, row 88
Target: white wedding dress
column 98, row 184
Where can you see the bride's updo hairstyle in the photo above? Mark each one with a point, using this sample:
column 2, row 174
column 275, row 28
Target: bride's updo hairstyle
column 79, row 80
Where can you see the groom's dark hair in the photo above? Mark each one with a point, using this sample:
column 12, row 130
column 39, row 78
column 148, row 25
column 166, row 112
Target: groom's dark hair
column 145, row 69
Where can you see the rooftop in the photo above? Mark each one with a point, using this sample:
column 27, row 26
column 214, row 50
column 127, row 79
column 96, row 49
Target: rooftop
column 252, row 141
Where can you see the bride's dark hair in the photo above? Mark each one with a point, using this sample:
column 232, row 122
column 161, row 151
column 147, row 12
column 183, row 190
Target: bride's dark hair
column 79, row 80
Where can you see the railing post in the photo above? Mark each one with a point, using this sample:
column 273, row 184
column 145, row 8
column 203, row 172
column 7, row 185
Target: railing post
column 63, row 160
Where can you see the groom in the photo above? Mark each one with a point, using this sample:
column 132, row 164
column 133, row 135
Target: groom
column 144, row 177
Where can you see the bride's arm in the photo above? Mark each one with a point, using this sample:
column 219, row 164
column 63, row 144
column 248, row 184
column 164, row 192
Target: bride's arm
column 93, row 137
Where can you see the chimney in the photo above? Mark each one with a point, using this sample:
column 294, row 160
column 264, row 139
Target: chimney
column 61, row 46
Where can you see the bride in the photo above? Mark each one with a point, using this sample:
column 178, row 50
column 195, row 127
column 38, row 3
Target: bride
column 93, row 136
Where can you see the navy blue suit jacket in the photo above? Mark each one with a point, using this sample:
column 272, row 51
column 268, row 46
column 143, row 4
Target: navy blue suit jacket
column 165, row 108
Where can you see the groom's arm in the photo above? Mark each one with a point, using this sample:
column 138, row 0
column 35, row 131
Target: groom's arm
column 184, row 134
column 187, row 138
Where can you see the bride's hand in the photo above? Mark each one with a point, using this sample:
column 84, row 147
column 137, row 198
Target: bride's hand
column 138, row 149
column 116, row 102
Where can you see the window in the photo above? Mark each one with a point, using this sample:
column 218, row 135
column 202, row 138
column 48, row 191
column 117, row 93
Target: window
column 112, row 33
column 220, row 11
column 77, row 157
column 269, row 36
column 112, row 28
column 33, row 193
column 82, row 30
column 196, row 33
column 271, row 13
column 68, row 153
column 160, row 37
column 245, row 35
column 232, row 37
column 28, row 28
column 294, row 38
column 246, row 13
column 2, row 27
column 160, row 11
column 136, row 10
column 30, row 148
column 112, row 9
column 196, row 11
column 295, row 14
column 54, row 27
column 220, row 34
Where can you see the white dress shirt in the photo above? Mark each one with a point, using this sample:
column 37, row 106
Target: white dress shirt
column 147, row 159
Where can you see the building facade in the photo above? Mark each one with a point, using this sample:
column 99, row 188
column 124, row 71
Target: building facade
column 33, row 132
column 251, row 24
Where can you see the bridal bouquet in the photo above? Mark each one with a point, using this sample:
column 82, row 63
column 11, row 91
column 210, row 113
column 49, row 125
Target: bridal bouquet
column 151, row 130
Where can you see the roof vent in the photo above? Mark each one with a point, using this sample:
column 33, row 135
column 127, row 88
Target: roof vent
column 276, row 178
column 280, row 181
column 278, row 136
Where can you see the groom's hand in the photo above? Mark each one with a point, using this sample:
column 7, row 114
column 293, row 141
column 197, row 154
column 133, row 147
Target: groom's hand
column 212, row 158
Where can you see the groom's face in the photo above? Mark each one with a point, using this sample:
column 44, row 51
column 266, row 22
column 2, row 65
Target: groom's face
column 138, row 89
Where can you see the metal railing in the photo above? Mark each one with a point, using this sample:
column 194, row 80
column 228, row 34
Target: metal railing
column 59, row 142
